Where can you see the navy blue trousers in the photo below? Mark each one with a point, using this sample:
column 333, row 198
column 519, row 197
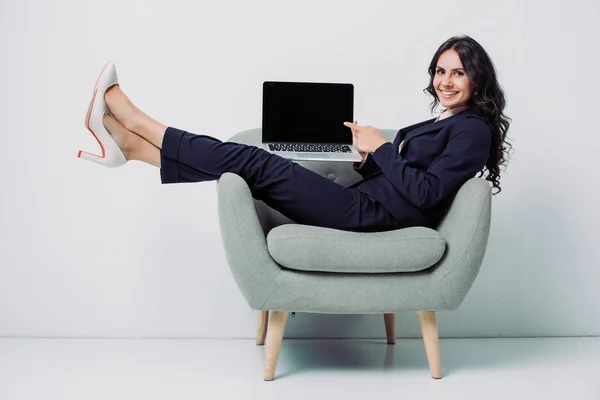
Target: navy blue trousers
column 297, row 192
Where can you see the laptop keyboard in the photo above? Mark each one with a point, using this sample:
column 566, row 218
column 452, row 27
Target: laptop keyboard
column 310, row 148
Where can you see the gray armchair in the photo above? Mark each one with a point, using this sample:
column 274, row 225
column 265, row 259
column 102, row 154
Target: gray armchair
column 280, row 266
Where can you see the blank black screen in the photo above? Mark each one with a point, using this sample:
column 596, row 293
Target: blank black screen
column 307, row 112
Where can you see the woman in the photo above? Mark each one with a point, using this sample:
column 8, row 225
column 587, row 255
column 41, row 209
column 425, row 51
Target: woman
column 409, row 182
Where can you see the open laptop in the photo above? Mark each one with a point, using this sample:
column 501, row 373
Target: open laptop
column 305, row 121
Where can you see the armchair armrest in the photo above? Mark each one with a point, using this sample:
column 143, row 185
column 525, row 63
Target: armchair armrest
column 465, row 228
column 254, row 271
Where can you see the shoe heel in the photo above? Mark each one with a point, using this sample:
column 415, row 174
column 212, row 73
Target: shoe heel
column 112, row 156
column 91, row 157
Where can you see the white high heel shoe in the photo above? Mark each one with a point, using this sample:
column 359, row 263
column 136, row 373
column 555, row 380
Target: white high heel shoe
column 112, row 156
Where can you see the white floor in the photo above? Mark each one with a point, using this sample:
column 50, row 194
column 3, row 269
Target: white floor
column 69, row 369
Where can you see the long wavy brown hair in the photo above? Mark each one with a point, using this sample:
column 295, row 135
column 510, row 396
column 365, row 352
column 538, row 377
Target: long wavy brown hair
column 487, row 99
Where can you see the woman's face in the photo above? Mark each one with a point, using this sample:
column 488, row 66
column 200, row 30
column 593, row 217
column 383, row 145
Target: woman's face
column 451, row 83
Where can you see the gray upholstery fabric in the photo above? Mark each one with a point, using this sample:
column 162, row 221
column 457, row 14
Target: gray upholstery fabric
column 266, row 285
column 310, row 248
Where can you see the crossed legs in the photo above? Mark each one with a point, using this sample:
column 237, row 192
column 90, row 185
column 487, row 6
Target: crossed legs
column 138, row 136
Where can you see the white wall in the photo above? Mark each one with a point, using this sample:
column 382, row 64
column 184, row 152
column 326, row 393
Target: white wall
column 87, row 251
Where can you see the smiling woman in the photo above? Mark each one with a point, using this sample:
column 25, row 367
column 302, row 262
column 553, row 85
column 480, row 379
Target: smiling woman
column 408, row 182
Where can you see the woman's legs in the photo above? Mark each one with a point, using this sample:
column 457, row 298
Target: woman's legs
column 302, row 195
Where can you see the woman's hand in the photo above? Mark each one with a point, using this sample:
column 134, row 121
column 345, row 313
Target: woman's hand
column 366, row 139
column 363, row 154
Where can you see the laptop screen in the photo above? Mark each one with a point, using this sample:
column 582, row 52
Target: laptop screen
column 307, row 112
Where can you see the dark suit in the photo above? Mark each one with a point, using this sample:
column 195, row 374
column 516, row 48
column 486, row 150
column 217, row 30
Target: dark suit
column 399, row 190
column 435, row 160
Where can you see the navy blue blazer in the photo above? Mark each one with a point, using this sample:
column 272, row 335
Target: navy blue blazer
column 417, row 184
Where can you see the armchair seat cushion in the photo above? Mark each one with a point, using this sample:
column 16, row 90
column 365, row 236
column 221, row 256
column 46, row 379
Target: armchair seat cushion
column 310, row 248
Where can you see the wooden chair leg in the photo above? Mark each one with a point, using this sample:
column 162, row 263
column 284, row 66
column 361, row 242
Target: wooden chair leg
column 277, row 320
column 429, row 330
column 263, row 319
column 390, row 327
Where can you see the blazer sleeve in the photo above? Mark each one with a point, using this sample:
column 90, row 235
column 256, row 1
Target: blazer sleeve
column 368, row 168
column 465, row 154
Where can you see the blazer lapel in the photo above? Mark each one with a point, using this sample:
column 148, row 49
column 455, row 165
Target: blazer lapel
column 404, row 132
